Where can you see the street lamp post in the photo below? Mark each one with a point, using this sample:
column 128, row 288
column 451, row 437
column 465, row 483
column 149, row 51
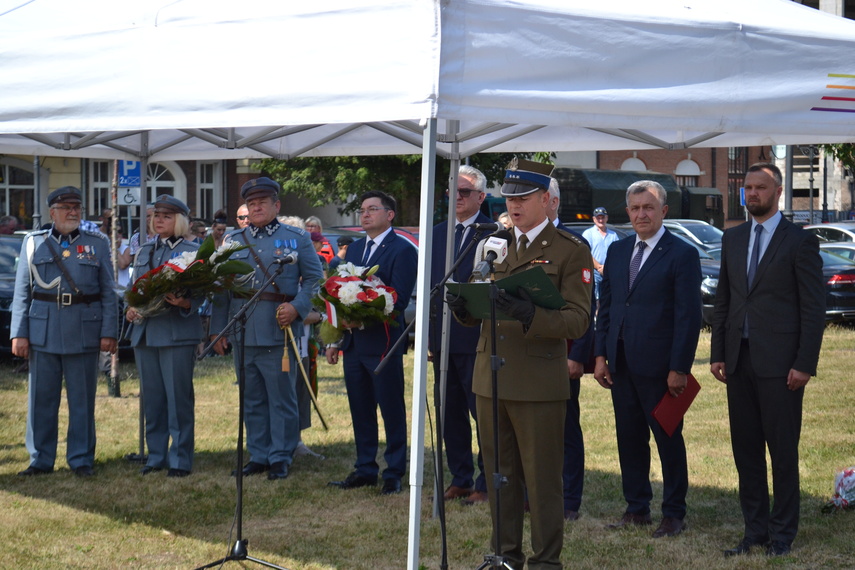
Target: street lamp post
column 810, row 152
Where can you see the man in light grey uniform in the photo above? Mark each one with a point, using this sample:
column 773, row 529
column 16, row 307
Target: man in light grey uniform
column 64, row 311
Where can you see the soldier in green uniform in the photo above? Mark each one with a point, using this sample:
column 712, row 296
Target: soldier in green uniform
column 532, row 385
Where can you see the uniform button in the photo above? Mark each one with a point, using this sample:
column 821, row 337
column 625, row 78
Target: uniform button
column 501, row 337
column 548, row 355
column 627, row 304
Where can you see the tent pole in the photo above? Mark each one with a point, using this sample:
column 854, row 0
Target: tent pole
column 417, row 437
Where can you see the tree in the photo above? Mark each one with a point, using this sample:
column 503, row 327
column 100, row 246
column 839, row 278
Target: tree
column 341, row 180
column 844, row 152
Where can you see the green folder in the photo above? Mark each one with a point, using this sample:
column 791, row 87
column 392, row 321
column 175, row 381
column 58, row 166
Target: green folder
column 535, row 282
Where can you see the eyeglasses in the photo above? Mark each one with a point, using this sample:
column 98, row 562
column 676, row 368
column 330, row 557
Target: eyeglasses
column 370, row 210
column 242, row 217
column 76, row 208
column 462, row 192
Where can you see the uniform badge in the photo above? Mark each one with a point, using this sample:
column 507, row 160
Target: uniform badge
column 66, row 253
column 586, row 276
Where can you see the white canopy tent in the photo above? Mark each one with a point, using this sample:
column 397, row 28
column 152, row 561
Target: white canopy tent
column 204, row 79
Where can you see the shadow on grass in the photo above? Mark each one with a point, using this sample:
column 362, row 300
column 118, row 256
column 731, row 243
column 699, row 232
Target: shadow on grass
column 303, row 508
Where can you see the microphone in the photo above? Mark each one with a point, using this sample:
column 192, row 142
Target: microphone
column 495, row 249
column 485, row 227
column 289, row 259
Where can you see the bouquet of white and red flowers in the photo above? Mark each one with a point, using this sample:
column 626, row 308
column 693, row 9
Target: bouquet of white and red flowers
column 844, row 492
column 203, row 272
column 354, row 296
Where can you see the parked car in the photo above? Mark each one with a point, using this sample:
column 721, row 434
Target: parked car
column 839, row 274
column 834, row 231
column 841, row 248
column 701, row 233
column 10, row 249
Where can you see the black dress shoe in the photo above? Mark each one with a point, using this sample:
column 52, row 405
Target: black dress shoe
column 391, row 487
column 33, row 470
column 150, row 469
column 778, row 548
column 278, row 470
column 354, row 481
column 252, row 468
column 744, row 547
column 177, row 473
column 84, row 471
column 670, row 526
column 631, row 519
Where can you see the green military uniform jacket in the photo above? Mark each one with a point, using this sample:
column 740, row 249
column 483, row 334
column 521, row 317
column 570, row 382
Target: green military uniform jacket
column 535, row 360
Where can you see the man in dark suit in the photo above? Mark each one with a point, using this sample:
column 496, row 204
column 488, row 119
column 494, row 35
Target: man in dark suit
column 365, row 345
column 532, row 383
column 459, row 401
column 766, row 334
column 647, row 330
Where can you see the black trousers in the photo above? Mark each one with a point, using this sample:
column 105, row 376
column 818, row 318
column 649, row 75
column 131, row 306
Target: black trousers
column 634, row 396
column 764, row 412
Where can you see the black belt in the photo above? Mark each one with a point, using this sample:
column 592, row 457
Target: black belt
column 66, row 299
column 275, row 297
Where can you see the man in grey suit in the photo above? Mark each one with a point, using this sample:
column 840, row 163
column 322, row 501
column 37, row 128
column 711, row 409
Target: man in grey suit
column 270, row 397
column 64, row 311
column 766, row 335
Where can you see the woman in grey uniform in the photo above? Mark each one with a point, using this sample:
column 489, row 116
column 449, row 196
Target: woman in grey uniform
column 164, row 347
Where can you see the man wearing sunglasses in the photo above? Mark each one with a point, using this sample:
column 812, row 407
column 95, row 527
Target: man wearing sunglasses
column 242, row 217
column 459, row 400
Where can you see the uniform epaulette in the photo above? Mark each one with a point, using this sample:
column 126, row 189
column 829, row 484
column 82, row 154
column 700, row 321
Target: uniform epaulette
column 39, row 232
column 295, row 229
column 569, row 236
column 94, row 234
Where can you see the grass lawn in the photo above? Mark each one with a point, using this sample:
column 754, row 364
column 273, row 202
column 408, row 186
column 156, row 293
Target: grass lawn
column 119, row 519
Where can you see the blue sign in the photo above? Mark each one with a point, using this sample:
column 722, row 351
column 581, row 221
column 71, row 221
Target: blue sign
column 129, row 174
column 742, row 196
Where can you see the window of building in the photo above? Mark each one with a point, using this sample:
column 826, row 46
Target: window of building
column 737, row 166
column 207, row 201
column 100, row 178
column 687, row 173
column 160, row 181
column 633, row 163
column 17, row 186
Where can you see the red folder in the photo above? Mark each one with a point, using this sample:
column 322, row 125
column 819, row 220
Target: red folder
column 669, row 411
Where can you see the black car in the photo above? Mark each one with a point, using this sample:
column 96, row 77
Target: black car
column 839, row 275
column 10, row 249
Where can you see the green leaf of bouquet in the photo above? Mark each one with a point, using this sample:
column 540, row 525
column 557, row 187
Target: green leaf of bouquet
column 206, row 249
column 234, row 267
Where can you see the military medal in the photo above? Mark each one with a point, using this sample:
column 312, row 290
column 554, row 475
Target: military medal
column 278, row 250
column 66, row 253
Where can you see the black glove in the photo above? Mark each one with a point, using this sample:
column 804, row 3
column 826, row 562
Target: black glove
column 457, row 304
column 521, row 308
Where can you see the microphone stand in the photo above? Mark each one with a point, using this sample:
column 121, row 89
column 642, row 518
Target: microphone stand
column 439, row 405
column 495, row 560
column 239, row 548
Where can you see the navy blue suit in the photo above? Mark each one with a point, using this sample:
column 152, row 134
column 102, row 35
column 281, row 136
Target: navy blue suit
column 645, row 332
column 574, row 443
column 363, row 348
column 459, row 399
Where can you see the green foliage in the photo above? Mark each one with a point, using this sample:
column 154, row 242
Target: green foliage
column 844, row 152
column 342, row 179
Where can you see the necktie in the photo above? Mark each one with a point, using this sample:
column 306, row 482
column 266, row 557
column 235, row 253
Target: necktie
column 522, row 244
column 635, row 264
column 458, row 237
column 367, row 254
column 755, row 254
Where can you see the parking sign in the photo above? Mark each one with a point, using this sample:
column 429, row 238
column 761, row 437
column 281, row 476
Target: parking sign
column 129, row 174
